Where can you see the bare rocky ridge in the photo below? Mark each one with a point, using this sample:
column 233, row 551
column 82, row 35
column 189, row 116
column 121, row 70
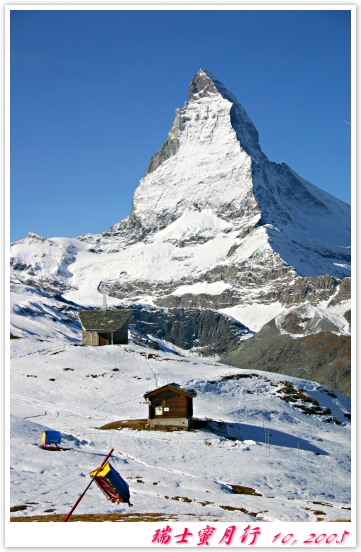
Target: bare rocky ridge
column 323, row 357
column 204, row 331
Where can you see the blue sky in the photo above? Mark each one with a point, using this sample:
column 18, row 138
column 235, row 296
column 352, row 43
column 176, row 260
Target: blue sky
column 94, row 93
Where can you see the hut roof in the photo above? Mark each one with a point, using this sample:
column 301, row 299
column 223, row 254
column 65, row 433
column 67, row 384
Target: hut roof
column 172, row 387
column 103, row 320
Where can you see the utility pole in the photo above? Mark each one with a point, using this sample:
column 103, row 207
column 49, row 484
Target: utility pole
column 332, row 484
column 264, row 431
column 298, row 446
column 81, row 496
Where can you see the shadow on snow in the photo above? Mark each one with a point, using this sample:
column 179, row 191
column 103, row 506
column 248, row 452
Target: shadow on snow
column 245, row 432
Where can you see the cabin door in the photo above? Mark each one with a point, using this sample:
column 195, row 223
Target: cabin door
column 104, row 338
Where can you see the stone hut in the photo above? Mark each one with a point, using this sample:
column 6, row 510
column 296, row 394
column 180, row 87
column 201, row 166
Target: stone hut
column 170, row 406
column 104, row 327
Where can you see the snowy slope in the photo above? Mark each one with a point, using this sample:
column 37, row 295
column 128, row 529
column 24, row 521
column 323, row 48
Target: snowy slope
column 34, row 313
column 56, row 385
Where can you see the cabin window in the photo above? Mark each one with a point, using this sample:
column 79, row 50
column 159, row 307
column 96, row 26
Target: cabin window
column 160, row 406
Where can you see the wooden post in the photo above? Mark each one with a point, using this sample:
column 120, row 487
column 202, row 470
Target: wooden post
column 298, row 445
column 81, row 496
column 332, row 484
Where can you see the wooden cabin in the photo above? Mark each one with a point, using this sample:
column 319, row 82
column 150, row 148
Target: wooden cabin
column 170, row 406
column 104, row 327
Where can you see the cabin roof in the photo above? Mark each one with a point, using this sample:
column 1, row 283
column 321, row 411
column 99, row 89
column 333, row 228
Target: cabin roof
column 171, row 387
column 103, row 320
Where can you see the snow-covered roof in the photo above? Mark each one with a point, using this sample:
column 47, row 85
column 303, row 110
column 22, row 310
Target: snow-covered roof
column 172, row 387
column 108, row 320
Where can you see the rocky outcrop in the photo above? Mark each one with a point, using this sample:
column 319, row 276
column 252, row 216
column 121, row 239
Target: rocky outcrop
column 312, row 289
column 343, row 292
column 171, row 145
column 264, row 287
column 203, row 331
column 292, row 324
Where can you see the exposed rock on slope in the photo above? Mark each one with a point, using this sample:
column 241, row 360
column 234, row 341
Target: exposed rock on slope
column 203, row 330
column 324, row 357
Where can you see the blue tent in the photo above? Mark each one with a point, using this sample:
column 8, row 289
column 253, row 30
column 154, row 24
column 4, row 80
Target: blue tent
column 50, row 437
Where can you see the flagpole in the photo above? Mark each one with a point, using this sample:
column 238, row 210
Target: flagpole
column 81, row 496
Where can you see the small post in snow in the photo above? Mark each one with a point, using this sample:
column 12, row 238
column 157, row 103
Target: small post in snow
column 298, row 446
column 332, row 484
column 269, row 446
column 264, row 431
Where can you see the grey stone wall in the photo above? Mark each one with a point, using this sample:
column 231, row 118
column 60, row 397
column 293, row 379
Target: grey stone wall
column 182, row 423
column 89, row 338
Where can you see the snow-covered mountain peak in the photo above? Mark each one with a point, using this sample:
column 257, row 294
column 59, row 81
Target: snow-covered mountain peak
column 212, row 163
column 34, row 238
column 211, row 214
column 210, row 104
column 204, row 83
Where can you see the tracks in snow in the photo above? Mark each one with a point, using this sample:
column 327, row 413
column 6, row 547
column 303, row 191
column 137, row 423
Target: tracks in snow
column 52, row 411
column 169, row 470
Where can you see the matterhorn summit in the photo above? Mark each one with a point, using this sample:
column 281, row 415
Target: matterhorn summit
column 211, row 166
column 217, row 235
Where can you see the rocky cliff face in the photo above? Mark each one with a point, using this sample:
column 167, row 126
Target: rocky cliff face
column 214, row 225
column 204, row 331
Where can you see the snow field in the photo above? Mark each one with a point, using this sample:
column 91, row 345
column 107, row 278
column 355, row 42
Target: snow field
column 256, row 315
column 195, row 469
